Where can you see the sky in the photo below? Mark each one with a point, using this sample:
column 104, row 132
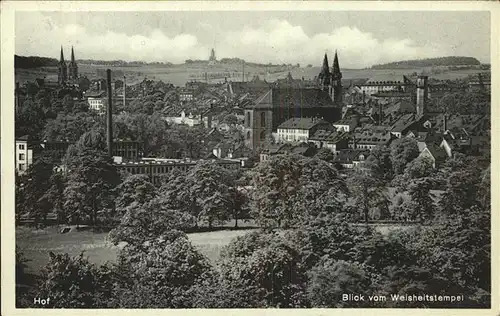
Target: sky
column 362, row 38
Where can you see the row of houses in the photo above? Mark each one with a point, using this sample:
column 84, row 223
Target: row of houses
column 351, row 143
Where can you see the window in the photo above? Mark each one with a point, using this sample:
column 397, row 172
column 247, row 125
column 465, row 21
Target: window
column 248, row 135
column 21, row 167
column 247, row 121
column 262, row 135
column 21, row 146
column 263, row 119
column 21, row 156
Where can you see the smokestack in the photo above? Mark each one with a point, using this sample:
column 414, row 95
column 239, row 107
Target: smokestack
column 380, row 114
column 363, row 96
column 109, row 117
column 124, row 89
column 16, row 92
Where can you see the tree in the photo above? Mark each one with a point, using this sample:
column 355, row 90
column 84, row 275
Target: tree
column 403, row 151
column 150, row 130
column 211, row 188
column 457, row 248
column 485, row 189
column 148, row 221
column 30, row 120
column 160, row 273
column 89, row 192
column 419, row 168
column 325, row 154
column 22, row 280
column 269, row 272
column 75, row 282
column 240, row 203
column 52, row 199
column 380, row 164
column 466, row 103
column 67, row 103
column 328, row 236
column 289, row 189
column 421, row 205
column 331, row 280
column 68, row 126
column 207, row 192
column 32, row 189
column 368, row 194
column 134, row 190
column 461, row 192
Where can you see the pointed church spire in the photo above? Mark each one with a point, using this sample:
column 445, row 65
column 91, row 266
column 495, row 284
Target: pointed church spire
column 325, row 69
column 336, row 67
column 62, row 55
column 72, row 55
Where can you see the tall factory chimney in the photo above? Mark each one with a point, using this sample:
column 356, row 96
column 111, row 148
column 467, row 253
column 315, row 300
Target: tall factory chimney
column 124, row 89
column 17, row 102
column 109, row 115
column 380, row 114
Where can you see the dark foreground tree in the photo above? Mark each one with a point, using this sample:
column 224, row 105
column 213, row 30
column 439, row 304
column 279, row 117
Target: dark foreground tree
column 289, row 189
column 74, row 282
column 89, row 192
column 160, row 273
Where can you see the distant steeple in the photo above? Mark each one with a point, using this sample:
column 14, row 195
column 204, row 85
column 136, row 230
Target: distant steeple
column 325, row 69
column 336, row 68
column 336, row 90
column 62, row 75
column 72, row 68
column 62, row 56
column 324, row 75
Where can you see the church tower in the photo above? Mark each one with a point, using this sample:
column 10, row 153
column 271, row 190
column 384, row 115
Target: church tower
column 324, row 76
column 422, row 95
column 336, row 81
column 73, row 68
column 62, row 76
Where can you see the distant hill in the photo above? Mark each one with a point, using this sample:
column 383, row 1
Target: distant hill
column 431, row 62
column 33, row 62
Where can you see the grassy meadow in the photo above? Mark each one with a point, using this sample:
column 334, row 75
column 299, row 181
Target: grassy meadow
column 36, row 244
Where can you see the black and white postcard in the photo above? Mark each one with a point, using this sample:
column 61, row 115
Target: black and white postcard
column 316, row 157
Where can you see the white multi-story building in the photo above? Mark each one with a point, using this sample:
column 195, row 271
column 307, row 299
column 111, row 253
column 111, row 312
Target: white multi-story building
column 97, row 101
column 96, row 104
column 24, row 156
column 299, row 129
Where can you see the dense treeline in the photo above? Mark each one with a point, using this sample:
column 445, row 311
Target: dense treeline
column 33, row 62
column 430, row 62
column 307, row 255
column 123, row 63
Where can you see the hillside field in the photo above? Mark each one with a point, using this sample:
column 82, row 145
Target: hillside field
column 180, row 74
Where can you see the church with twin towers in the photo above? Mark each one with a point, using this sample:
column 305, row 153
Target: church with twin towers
column 331, row 81
column 67, row 73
